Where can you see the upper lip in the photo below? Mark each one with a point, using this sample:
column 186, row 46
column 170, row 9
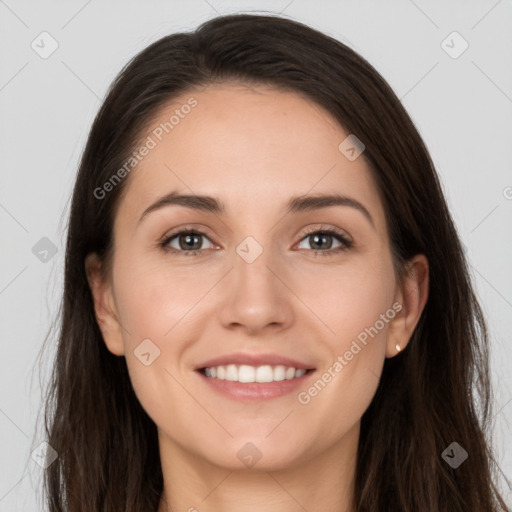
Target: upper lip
column 254, row 360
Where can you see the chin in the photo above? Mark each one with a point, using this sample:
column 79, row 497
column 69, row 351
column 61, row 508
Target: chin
column 254, row 454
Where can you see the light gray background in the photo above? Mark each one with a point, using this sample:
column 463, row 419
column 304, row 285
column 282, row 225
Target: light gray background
column 462, row 107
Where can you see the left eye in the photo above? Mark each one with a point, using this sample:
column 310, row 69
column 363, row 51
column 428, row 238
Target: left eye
column 318, row 236
column 187, row 240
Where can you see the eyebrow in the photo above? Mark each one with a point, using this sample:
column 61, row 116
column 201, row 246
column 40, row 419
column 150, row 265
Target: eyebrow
column 297, row 204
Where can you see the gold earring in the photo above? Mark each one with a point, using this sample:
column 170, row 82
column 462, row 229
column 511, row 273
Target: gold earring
column 398, row 348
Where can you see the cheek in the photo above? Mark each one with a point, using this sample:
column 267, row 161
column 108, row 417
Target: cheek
column 153, row 304
column 355, row 308
column 154, row 298
column 346, row 299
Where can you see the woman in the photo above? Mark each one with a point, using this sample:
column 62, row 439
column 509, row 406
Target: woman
column 209, row 357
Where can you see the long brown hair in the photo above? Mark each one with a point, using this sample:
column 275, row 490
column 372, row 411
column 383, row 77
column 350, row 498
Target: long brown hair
column 435, row 392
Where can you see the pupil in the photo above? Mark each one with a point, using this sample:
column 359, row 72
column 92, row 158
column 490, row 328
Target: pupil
column 188, row 238
column 316, row 237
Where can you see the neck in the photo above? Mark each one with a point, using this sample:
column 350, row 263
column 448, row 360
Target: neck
column 325, row 482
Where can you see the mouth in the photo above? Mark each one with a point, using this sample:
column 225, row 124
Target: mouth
column 247, row 374
column 248, row 383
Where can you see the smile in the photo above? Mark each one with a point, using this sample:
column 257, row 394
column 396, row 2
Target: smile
column 245, row 383
column 247, row 373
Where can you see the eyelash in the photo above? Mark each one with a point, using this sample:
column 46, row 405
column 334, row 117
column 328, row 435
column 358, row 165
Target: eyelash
column 345, row 243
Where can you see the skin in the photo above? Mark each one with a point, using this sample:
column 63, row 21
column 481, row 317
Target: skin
column 253, row 148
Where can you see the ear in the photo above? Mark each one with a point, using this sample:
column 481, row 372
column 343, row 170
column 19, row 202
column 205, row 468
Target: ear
column 104, row 306
column 411, row 296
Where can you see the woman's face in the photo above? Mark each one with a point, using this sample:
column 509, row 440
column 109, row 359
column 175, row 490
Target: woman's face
column 254, row 294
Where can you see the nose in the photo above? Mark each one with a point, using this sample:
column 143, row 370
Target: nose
column 256, row 296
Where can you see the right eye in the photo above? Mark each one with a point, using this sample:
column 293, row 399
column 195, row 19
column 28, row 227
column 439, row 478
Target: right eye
column 189, row 242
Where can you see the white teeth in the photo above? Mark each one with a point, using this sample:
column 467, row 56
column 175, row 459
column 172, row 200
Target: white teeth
column 246, row 373
column 231, row 372
column 264, row 374
column 279, row 373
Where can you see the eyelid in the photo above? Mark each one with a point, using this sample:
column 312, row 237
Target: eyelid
column 329, row 229
column 166, row 239
column 185, row 229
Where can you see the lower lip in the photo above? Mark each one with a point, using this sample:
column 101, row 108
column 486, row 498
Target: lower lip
column 255, row 391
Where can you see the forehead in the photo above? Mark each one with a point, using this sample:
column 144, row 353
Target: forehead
column 253, row 147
